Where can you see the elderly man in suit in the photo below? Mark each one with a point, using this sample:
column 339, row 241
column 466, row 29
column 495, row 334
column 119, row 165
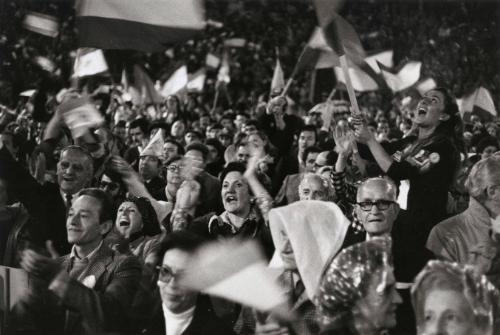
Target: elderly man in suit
column 89, row 291
column 48, row 204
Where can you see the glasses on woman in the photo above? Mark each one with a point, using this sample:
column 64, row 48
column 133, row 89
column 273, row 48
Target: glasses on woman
column 166, row 274
column 380, row 204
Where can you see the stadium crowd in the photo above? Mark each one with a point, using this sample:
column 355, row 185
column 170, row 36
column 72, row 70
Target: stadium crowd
column 383, row 220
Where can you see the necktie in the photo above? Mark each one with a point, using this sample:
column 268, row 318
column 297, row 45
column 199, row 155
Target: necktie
column 69, row 197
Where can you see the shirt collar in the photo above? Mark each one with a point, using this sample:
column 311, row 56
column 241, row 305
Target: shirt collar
column 73, row 253
column 478, row 212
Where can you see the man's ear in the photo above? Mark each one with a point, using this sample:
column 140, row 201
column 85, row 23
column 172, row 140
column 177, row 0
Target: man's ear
column 444, row 117
column 106, row 227
column 396, row 209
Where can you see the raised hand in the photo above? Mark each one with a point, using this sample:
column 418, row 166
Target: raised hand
column 363, row 134
column 276, row 105
column 121, row 166
column 344, row 139
column 39, row 265
column 188, row 194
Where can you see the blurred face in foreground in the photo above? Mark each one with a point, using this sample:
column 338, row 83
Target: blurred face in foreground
column 173, row 296
column 377, row 310
column 447, row 312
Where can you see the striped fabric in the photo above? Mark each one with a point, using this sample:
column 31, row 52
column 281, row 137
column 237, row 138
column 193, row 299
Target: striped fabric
column 146, row 25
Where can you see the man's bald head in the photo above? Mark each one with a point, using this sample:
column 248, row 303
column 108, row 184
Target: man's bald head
column 380, row 185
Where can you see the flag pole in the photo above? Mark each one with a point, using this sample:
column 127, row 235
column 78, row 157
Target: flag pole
column 217, row 91
column 332, row 94
column 294, row 72
column 350, row 89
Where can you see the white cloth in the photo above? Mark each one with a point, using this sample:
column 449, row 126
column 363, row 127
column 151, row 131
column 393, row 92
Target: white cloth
column 316, row 230
column 175, row 324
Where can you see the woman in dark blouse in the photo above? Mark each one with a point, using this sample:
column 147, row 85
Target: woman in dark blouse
column 429, row 160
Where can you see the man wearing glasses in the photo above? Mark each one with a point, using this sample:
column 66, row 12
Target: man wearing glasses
column 376, row 207
column 181, row 311
column 378, row 212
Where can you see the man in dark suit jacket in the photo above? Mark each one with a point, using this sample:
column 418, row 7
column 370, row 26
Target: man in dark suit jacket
column 180, row 311
column 48, row 204
column 88, row 291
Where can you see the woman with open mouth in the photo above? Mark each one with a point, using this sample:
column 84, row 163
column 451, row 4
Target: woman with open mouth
column 429, row 159
column 138, row 228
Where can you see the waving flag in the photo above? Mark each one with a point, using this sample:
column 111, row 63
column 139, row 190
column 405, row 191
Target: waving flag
column 425, row 85
column 384, row 58
column 278, row 81
column 360, row 80
column 223, row 75
column 479, row 102
column 177, row 82
column 40, row 23
column 146, row 25
column 406, row 77
column 237, row 271
column 89, row 62
column 196, row 81
column 80, row 114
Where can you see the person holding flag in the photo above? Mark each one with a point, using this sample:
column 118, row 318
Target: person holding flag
column 429, row 159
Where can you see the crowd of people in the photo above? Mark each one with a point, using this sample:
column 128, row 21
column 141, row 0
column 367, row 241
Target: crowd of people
column 379, row 220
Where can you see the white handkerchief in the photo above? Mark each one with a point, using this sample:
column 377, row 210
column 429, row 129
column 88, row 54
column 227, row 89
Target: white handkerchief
column 89, row 281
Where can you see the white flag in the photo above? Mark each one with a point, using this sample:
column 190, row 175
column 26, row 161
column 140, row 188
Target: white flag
column 177, row 81
column 40, row 23
column 406, row 77
column 89, row 62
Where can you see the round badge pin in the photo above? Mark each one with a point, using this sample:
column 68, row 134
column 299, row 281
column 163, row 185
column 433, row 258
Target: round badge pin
column 434, row 157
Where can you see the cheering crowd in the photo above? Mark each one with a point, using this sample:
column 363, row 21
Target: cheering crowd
column 384, row 220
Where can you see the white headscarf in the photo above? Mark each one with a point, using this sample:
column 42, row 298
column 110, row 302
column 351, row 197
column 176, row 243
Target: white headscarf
column 316, row 230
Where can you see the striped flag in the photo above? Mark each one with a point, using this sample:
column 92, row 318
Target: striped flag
column 479, row 102
column 89, row 62
column 404, row 78
column 147, row 25
column 237, row 271
column 42, row 24
column 278, row 81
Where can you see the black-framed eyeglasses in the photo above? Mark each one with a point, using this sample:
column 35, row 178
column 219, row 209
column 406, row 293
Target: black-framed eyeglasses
column 381, row 204
column 166, row 274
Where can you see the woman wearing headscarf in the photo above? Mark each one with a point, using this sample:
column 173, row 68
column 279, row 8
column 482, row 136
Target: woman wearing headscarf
column 449, row 298
column 305, row 234
column 357, row 292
